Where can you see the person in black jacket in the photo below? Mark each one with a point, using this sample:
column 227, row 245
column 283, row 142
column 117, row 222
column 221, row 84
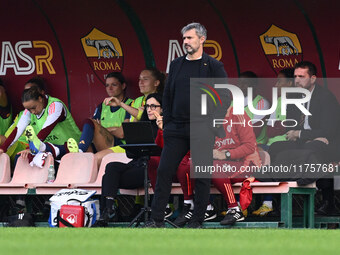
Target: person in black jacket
column 317, row 132
column 177, row 128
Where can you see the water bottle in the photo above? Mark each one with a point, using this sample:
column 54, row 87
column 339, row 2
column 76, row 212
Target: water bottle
column 51, row 174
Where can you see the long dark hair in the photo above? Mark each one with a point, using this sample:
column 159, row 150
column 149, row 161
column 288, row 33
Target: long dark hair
column 145, row 117
column 32, row 93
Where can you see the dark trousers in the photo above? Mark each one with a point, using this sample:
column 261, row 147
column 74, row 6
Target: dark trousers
column 175, row 148
column 321, row 149
column 323, row 154
column 120, row 175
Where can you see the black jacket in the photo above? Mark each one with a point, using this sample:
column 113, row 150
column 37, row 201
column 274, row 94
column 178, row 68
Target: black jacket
column 210, row 68
column 325, row 118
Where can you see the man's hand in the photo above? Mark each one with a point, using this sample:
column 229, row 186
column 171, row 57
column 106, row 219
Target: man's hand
column 322, row 139
column 292, row 135
column 112, row 101
column 1, row 151
column 220, row 155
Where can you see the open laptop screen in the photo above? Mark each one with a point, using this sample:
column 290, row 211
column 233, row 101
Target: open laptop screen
column 140, row 132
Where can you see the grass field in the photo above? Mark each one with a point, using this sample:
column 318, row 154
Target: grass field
column 119, row 241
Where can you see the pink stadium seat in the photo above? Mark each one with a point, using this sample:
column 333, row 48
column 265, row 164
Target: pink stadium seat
column 97, row 185
column 5, row 168
column 25, row 176
column 73, row 168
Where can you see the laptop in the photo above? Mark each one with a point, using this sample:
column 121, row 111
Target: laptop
column 139, row 139
column 138, row 132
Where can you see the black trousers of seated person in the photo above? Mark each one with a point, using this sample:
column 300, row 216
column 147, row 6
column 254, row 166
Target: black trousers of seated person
column 175, row 147
column 324, row 155
column 321, row 149
column 122, row 176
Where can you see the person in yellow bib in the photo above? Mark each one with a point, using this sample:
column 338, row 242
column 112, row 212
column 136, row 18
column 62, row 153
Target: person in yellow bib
column 105, row 130
column 249, row 79
column 49, row 126
column 20, row 142
column 151, row 80
column 275, row 131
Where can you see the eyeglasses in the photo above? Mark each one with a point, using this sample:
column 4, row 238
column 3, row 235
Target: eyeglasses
column 152, row 106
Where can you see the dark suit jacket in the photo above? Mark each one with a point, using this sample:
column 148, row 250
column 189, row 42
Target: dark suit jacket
column 324, row 121
column 210, row 67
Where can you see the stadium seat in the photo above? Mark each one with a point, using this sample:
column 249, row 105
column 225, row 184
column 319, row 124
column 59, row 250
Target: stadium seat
column 73, row 168
column 5, row 168
column 97, row 185
column 25, row 176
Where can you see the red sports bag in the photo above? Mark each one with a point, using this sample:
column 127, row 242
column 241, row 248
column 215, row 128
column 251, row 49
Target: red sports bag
column 71, row 216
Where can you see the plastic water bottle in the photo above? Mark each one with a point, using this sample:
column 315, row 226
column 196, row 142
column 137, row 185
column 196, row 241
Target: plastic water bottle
column 51, row 174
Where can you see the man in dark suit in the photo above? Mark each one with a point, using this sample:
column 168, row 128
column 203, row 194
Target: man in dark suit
column 317, row 132
column 177, row 131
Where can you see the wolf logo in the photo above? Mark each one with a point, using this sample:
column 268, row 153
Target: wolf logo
column 284, row 41
column 105, row 45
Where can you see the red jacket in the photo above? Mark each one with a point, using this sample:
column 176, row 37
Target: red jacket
column 240, row 139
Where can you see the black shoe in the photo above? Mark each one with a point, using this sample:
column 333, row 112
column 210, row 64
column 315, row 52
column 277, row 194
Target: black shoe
column 109, row 215
column 326, row 208
column 194, row 224
column 185, row 216
column 232, row 216
column 210, row 214
column 154, row 224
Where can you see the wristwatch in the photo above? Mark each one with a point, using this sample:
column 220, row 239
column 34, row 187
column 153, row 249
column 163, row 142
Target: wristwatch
column 227, row 154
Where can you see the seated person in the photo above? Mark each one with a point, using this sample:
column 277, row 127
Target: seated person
column 5, row 112
column 314, row 136
column 275, row 131
column 151, row 80
column 247, row 80
column 127, row 176
column 237, row 149
column 21, row 143
column 49, row 126
column 104, row 130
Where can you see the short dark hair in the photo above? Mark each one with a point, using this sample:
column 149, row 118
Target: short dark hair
column 38, row 82
column 287, row 72
column 119, row 76
column 307, row 64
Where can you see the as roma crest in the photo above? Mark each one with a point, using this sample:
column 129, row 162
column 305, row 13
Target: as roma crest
column 282, row 48
column 104, row 53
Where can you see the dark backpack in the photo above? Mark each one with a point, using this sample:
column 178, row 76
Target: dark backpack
column 20, row 220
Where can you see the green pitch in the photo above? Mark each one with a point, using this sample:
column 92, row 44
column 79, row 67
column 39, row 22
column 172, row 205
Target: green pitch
column 117, row 241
